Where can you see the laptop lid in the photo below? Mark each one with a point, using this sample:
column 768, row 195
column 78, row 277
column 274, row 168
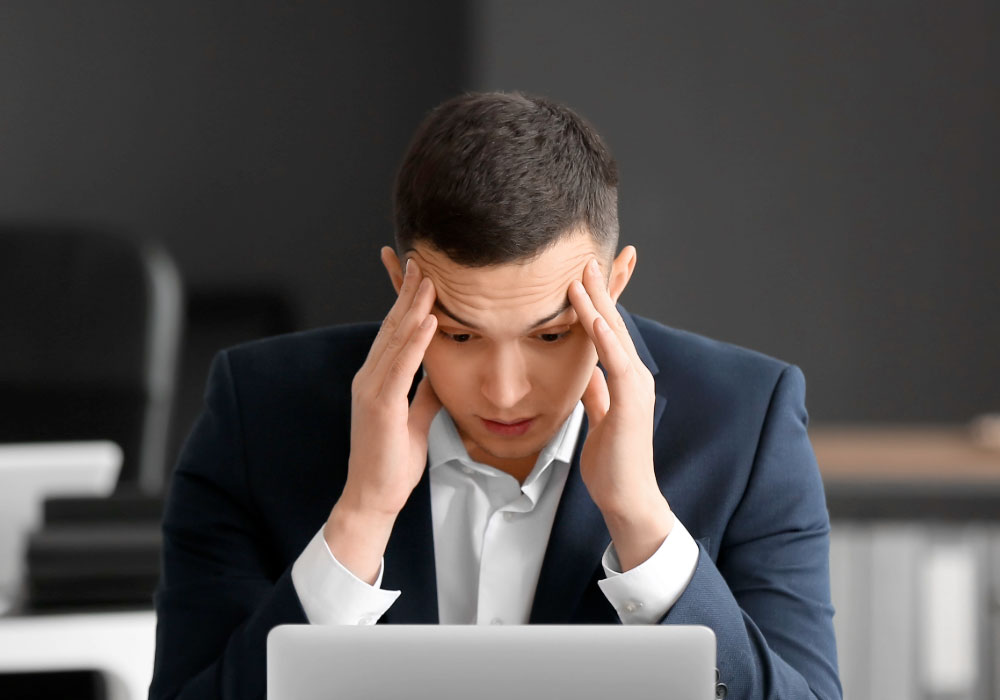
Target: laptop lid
column 452, row 662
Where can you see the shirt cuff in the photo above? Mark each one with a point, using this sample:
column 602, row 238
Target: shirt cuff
column 645, row 594
column 330, row 594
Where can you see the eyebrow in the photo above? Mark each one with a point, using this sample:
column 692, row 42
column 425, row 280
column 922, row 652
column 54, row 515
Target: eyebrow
column 540, row 322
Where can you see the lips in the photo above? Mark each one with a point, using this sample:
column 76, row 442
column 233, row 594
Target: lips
column 508, row 422
column 508, row 428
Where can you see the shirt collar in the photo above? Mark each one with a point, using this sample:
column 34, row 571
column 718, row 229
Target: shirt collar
column 444, row 444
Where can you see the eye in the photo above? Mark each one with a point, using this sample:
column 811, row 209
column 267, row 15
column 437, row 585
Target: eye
column 456, row 337
column 552, row 337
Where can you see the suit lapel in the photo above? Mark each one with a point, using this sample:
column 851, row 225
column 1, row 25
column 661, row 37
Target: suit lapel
column 579, row 535
column 409, row 558
column 647, row 359
column 578, row 539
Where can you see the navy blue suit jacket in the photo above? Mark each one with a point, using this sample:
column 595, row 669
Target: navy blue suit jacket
column 267, row 459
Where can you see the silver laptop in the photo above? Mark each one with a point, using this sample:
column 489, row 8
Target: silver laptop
column 452, row 662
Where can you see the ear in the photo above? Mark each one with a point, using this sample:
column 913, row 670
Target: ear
column 621, row 272
column 392, row 265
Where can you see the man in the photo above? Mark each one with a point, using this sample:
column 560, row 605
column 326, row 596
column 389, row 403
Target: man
column 509, row 446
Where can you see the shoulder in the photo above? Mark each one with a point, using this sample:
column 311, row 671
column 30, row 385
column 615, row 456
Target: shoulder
column 676, row 350
column 331, row 355
column 717, row 377
column 733, row 425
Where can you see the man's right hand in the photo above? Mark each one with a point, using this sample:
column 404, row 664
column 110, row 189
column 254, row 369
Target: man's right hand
column 388, row 434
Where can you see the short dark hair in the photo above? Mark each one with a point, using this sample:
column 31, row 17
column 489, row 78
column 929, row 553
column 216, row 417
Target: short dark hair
column 493, row 178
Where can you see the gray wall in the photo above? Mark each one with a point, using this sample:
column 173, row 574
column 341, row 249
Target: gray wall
column 818, row 181
column 814, row 180
column 257, row 139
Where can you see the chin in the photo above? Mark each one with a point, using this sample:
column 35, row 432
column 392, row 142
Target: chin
column 512, row 447
column 509, row 449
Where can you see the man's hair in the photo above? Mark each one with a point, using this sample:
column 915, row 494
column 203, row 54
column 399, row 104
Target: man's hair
column 492, row 178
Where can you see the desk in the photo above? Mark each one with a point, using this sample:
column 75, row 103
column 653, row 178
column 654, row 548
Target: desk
column 120, row 645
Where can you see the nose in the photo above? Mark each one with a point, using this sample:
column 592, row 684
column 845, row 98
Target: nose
column 505, row 378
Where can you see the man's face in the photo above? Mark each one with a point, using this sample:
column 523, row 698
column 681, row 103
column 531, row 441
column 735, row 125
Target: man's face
column 509, row 360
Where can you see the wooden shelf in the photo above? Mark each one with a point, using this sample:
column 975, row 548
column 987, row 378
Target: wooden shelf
column 907, row 472
column 935, row 453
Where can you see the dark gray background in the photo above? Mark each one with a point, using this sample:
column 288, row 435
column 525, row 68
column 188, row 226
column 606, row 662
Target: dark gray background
column 814, row 180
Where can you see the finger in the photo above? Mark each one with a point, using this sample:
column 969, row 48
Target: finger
column 615, row 359
column 399, row 372
column 596, row 288
column 589, row 316
column 404, row 301
column 584, row 307
column 596, row 398
column 423, row 300
column 425, row 406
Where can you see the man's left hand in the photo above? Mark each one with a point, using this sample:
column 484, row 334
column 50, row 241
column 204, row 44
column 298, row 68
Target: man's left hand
column 617, row 459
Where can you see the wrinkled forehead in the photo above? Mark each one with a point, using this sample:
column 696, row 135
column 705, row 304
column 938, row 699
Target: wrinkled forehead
column 511, row 295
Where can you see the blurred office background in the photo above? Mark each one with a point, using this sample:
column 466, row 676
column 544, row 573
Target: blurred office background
column 818, row 181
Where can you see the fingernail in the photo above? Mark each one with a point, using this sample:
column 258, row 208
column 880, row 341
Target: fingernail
column 592, row 267
column 602, row 324
column 426, row 323
column 408, row 266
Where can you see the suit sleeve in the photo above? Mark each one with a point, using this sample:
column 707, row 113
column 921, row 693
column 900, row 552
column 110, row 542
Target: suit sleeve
column 217, row 598
column 767, row 597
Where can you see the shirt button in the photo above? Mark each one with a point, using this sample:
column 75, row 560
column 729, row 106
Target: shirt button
column 631, row 607
column 368, row 620
column 468, row 470
column 508, row 516
column 496, row 621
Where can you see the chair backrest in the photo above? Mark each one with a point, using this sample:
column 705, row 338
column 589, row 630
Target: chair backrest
column 90, row 326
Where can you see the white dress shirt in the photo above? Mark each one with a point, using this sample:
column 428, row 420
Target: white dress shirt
column 490, row 535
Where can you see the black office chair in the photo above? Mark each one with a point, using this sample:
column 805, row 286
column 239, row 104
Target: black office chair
column 90, row 327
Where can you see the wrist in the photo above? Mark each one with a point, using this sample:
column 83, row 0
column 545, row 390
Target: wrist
column 357, row 538
column 639, row 530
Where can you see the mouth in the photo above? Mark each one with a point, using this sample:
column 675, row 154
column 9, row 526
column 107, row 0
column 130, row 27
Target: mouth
column 508, row 428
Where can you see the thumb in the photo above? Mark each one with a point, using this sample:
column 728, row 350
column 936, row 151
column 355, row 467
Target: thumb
column 596, row 398
column 424, row 407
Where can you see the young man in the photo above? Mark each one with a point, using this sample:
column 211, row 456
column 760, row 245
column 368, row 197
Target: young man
column 469, row 461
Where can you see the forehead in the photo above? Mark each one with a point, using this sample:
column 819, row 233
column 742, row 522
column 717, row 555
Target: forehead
column 509, row 292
